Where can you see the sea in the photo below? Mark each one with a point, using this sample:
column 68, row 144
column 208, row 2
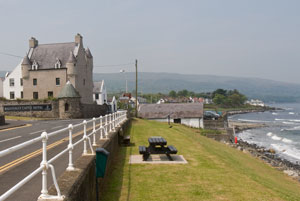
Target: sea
column 282, row 132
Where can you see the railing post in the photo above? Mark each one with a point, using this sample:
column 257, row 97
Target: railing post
column 101, row 128
column 94, row 132
column 106, row 125
column 70, row 147
column 44, row 164
column 109, row 117
column 113, row 122
column 84, row 138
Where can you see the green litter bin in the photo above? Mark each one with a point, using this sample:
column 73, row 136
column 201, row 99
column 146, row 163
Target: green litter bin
column 101, row 160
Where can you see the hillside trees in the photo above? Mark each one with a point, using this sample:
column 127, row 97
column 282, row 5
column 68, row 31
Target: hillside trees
column 228, row 98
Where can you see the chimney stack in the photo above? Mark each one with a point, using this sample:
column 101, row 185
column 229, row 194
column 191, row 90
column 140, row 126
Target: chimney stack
column 78, row 39
column 33, row 42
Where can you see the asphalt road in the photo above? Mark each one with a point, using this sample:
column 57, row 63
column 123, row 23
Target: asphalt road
column 16, row 166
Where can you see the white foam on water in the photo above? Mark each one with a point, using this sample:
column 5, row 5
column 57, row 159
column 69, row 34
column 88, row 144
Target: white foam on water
column 290, row 120
column 269, row 134
column 274, row 113
column 291, row 112
column 275, row 137
column 287, row 150
column 292, row 129
column 289, row 123
column 250, row 120
column 287, row 140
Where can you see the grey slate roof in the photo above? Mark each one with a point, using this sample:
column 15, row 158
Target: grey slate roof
column 71, row 58
column 68, row 91
column 45, row 54
column 175, row 110
column 97, row 87
column 26, row 61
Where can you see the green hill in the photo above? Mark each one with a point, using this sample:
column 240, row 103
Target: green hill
column 267, row 90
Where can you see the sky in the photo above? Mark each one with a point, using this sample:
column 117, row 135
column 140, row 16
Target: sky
column 242, row 38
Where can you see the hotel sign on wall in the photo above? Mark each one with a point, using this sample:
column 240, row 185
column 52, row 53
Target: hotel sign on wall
column 25, row 108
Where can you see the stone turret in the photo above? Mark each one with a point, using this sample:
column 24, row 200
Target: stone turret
column 69, row 102
column 71, row 65
column 25, row 66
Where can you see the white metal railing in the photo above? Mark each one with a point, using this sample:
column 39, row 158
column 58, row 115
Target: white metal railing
column 107, row 124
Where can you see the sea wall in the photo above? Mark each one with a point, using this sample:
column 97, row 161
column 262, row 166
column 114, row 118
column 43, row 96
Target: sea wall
column 80, row 185
column 2, row 120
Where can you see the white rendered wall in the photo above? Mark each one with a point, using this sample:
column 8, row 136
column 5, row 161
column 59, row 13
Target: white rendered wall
column 191, row 122
column 17, row 75
column 103, row 96
column 1, row 88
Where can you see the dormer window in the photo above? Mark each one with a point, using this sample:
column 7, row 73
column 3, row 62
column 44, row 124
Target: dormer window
column 57, row 64
column 34, row 65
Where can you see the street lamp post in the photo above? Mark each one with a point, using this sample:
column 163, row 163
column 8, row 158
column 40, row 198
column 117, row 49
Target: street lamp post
column 123, row 71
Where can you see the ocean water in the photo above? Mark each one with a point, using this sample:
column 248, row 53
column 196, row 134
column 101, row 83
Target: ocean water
column 281, row 134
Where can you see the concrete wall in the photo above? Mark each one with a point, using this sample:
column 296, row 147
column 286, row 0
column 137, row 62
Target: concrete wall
column 79, row 185
column 54, row 113
column 2, row 119
column 94, row 110
column 76, row 109
column 215, row 124
column 16, row 74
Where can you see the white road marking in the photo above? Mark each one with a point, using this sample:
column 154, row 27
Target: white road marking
column 37, row 132
column 10, row 139
column 58, row 127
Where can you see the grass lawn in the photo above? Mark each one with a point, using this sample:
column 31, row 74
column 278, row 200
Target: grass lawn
column 214, row 171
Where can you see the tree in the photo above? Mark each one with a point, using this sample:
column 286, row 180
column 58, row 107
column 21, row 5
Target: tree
column 219, row 91
column 219, row 99
column 183, row 93
column 173, row 94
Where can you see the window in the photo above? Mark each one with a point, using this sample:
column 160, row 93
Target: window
column 66, row 107
column 21, row 82
column 22, row 94
column 50, row 94
column 96, row 96
column 35, row 95
column 34, row 81
column 35, row 65
column 11, row 82
column 177, row 121
column 12, row 95
column 57, row 64
column 57, row 80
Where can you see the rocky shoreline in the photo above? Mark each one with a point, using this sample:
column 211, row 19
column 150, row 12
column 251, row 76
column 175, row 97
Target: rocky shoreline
column 267, row 155
column 270, row 157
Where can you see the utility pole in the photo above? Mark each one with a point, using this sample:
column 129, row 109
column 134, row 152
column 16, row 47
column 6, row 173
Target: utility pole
column 136, row 89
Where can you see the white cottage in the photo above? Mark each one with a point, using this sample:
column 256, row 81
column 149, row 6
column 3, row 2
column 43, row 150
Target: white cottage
column 190, row 114
column 99, row 93
column 13, row 84
column 1, row 86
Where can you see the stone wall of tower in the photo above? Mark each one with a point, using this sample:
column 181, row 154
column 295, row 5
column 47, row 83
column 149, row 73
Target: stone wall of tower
column 83, row 81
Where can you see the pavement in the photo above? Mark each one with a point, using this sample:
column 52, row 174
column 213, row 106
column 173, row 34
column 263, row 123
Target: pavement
column 12, row 124
column 157, row 159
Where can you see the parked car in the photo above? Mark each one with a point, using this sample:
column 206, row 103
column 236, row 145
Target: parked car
column 211, row 115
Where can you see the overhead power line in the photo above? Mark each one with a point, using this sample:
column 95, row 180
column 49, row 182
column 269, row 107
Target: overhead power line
column 113, row 65
column 12, row 55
